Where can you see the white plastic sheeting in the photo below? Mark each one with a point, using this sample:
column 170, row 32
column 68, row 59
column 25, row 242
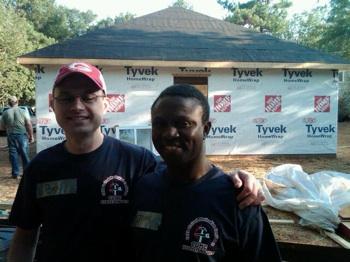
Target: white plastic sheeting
column 253, row 111
column 316, row 198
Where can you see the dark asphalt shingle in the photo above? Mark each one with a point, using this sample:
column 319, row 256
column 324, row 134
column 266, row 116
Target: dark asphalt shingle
column 177, row 34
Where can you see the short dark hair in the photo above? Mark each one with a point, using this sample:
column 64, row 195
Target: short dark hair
column 186, row 91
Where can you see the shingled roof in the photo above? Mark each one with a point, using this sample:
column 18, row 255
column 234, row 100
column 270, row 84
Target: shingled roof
column 178, row 34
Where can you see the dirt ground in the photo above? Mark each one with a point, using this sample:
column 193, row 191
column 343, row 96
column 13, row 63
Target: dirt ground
column 257, row 165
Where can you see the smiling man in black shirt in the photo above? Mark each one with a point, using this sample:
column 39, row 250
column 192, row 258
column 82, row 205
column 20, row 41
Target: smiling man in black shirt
column 184, row 213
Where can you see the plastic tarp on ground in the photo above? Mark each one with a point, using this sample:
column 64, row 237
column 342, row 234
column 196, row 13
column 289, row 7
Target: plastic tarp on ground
column 316, row 198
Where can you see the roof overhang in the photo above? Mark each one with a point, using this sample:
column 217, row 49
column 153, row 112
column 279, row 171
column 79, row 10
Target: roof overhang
column 29, row 61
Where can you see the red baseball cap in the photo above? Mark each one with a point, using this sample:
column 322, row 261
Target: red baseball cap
column 83, row 68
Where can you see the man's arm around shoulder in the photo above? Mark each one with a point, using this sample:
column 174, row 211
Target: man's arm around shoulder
column 23, row 245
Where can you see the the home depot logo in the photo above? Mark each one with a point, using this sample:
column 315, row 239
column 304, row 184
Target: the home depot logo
column 116, row 103
column 322, row 104
column 222, row 103
column 273, row 103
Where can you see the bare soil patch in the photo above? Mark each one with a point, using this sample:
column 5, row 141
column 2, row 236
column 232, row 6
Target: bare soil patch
column 257, row 165
column 260, row 164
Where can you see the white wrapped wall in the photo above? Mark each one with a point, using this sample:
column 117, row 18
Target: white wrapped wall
column 253, row 111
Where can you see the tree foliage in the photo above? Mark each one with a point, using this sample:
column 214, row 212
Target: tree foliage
column 54, row 21
column 308, row 28
column 344, row 98
column 261, row 15
column 337, row 34
column 107, row 22
column 183, row 4
column 17, row 36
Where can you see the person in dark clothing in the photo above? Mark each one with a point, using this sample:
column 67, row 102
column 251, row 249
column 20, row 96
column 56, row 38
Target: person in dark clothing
column 183, row 213
column 78, row 192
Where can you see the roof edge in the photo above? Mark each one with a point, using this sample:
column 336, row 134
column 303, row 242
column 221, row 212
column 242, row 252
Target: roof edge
column 28, row 61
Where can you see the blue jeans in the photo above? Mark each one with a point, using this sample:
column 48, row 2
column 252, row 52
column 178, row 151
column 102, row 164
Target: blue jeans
column 18, row 146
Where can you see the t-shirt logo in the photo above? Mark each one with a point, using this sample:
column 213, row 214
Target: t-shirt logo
column 201, row 236
column 114, row 190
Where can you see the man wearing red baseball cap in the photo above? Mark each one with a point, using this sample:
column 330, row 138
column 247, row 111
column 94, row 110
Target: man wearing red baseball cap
column 77, row 191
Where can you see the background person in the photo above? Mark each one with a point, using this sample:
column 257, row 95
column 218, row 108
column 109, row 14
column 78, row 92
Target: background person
column 185, row 212
column 19, row 131
column 78, row 191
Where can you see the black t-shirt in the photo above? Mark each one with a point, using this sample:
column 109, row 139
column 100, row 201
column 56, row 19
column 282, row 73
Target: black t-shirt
column 198, row 221
column 81, row 201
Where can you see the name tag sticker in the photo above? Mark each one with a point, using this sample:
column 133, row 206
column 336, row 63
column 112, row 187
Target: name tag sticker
column 56, row 188
column 147, row 220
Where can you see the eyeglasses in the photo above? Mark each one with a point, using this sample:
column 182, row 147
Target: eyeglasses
column 86, row 99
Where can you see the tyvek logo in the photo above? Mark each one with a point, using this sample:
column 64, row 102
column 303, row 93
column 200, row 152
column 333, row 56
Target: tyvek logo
column 297, row 73
column 108, row 131
column 38, row 69
column 222, row 103
column 51, row 133
column 222, row 131
column 57, row 133
column 297, row 76
column 194, row 70
column 271, row 131
column 141, row 71
column 227, row 130
column 273, row 103
column 322, row 104
column 247, row 76
column 141, row 74
column 247, row 73
column 314, row 131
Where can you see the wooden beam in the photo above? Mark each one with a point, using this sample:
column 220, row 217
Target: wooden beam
column 28, row 61
column 281, row 221
column 341, row 241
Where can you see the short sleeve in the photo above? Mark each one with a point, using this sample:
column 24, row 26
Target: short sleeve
column 149, row 163
column 25, row 114
column 256, row 237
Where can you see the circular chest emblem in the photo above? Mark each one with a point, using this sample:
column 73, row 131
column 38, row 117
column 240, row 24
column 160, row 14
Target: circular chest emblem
column 201, row 236
column 114, row 190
